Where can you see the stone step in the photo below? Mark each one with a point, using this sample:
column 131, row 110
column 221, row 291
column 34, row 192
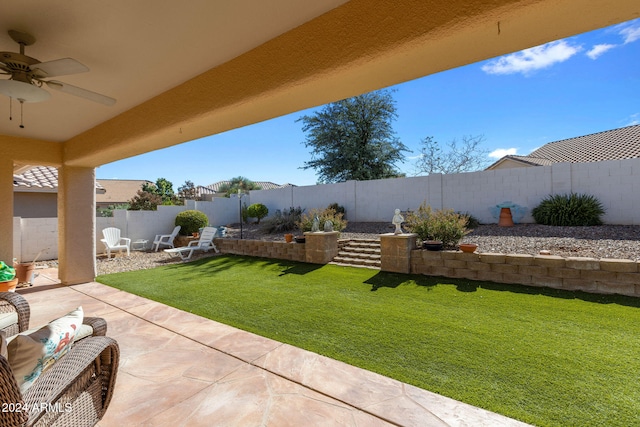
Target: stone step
column 359, row 255
column 343, row 260
column 361, row 249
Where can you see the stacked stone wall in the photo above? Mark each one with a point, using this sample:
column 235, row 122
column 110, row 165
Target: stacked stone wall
column 605, row 276
column 261, row 248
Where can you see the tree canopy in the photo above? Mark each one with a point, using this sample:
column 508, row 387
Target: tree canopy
column 353, row 139
column 466, row 156
column 238, row 183
column 152, row 195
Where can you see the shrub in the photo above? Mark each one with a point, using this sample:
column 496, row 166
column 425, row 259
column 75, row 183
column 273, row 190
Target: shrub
column 191, row 221
column 257, row 210
column 569, row 210
column 444, row 225
column 472, row 221
column 338, row 208
column 282, row 220
column 328, row 214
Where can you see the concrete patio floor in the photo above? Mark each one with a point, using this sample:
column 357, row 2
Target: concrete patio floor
column 178, row 369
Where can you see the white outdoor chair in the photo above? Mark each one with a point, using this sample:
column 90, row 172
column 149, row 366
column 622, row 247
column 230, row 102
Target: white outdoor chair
column 165, row 239
column 113, row 241
column 205, row 243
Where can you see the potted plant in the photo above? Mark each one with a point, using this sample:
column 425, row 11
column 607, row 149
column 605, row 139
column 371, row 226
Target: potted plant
column 8, row 279
column 288, row 237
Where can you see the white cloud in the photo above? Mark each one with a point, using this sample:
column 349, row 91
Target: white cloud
column 599, row 49
column 535, row 58
column 631, row 33
column 501, row 152
column 634, row 119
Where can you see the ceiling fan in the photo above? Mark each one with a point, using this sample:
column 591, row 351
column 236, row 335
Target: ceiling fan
column 28, row 75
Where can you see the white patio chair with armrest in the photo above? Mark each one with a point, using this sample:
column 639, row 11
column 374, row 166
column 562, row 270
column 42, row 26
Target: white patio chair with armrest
column 113, row 241
column 166, row 239
column 205, row 243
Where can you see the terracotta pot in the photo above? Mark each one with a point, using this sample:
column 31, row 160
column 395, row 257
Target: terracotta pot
column 288, row 238
column 9, row 286
column 24, row 272
column 505, row 218
column 468, row 247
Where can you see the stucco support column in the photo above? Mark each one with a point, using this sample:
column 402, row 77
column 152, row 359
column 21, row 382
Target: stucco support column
column 395, row 252
column 6, row 212
column 76, row 225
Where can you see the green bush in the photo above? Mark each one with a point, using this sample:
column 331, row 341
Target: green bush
column 257, row 210
column 444, row 225
column 472, row 221
column 191, row 221
column 328, row 214
column 282, row 221
column 338, row 208
column 569, row 210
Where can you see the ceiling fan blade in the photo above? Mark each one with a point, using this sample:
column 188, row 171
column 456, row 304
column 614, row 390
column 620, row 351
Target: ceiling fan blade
column 59, row 67
column 82, row 93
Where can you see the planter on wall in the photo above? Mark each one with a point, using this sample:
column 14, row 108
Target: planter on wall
column 432, row 245
column 288, row 238
column 468, row 247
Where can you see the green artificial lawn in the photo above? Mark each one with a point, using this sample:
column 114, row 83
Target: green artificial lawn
column 543, row 356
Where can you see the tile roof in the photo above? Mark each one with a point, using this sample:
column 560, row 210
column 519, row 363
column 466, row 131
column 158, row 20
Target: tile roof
column 119, row 191
column 215, row 187
column 615, row 144
column 41, row 177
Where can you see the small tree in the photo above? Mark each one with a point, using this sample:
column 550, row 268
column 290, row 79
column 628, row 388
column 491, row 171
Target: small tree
column 257, row 210
column 466, row 156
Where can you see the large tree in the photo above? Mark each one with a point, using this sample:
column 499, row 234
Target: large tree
column 353, row 139
column 465, row 156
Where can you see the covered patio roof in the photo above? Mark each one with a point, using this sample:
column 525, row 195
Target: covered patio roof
column 181, row 71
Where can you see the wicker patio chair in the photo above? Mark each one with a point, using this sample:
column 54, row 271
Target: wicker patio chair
column 75, row 391
column 13, row 303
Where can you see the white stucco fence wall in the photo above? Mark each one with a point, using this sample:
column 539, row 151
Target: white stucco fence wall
column 615, row 183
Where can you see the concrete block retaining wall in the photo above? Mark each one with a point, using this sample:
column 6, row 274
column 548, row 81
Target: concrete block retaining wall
column 261, row 248
column 604, row 276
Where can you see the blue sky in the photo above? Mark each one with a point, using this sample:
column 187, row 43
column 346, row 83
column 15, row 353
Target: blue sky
column 571, row 87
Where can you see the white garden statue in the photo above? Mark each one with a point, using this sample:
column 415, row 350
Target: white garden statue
column 397, row 220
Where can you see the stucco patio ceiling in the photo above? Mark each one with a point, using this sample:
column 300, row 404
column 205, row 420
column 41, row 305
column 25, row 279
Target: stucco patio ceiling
column 183, row 70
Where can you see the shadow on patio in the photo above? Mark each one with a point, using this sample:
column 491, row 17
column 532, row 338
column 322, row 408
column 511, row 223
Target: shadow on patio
column 177, row 368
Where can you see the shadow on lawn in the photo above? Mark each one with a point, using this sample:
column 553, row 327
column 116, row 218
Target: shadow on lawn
column 393, row 280
column 225, row 262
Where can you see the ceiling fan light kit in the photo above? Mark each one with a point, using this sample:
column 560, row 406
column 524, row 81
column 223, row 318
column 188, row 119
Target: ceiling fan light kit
column 27, row 76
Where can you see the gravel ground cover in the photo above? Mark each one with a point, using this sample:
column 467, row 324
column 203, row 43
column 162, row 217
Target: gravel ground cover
column 607, row 241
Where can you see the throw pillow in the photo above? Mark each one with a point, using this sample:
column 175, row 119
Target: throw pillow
column 32, row 354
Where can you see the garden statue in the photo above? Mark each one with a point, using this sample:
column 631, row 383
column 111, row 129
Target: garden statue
column 397, row 220
column 316, row 225
column 328, row 226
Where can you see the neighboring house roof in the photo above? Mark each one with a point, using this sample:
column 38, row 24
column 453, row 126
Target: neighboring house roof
column 215, row 188
column 616, row 144
column 41, row 179
column 119, row 191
